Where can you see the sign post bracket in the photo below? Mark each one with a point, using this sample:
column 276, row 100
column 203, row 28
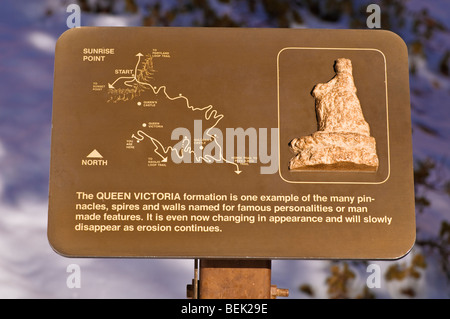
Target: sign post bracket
column 233, row 279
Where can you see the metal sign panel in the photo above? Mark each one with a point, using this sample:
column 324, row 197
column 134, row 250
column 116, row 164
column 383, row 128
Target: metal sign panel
column 231, row 143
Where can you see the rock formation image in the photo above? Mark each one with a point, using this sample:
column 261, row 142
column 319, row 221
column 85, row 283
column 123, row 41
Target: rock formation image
column 342, row 140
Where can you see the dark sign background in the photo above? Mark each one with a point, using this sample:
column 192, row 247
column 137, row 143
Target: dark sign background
column 255, row 78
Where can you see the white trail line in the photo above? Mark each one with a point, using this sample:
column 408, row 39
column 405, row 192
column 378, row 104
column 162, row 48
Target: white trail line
column 131, row 79
column 209, row 112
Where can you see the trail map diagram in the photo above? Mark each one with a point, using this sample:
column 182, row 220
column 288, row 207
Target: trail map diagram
column 139, row 86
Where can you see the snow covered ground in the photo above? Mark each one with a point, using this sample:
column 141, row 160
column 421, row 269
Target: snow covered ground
column 29, row 268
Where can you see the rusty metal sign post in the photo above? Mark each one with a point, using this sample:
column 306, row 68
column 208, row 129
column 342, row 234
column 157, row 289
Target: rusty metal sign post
column 234, row 279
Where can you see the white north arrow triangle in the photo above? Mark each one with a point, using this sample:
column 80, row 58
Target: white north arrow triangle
column 94, row 154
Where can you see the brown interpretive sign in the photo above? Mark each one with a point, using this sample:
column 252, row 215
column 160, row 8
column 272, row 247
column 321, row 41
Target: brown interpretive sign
column 231, row 143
